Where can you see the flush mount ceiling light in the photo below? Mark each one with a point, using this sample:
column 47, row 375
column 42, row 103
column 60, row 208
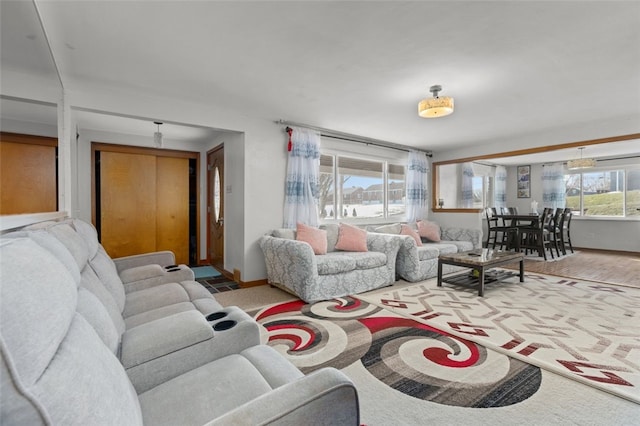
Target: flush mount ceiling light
column 157, row 136
column 436, row 106
column 581, row 163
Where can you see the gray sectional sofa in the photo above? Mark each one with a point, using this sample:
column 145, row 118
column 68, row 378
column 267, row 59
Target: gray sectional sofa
column 80, row 345
column 418, row 263
column 293, row 266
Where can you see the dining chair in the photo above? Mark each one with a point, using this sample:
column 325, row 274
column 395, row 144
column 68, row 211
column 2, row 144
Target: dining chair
column 505, row 233
column 538, row 237
column 565, row 233
column 555, row 229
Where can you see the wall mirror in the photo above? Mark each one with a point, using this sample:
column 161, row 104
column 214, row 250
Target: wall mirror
column 29, row 79
column 28, row 114
column 452, row 192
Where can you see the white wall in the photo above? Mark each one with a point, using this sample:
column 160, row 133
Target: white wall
column 36, row 129
column 457, row 220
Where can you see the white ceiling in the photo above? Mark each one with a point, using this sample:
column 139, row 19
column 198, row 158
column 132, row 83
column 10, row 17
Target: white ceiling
column 514, row 68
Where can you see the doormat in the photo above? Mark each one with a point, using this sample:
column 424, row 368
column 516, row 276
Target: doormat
column 205, row 272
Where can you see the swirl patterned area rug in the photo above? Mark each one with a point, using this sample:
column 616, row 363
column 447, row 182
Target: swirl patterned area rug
column 583, row 330
column 414, row 358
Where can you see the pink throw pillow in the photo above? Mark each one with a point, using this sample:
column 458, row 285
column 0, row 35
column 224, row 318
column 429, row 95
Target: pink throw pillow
column 429, row 230
column 407, row 230
column 351, row 238
column 317, row 238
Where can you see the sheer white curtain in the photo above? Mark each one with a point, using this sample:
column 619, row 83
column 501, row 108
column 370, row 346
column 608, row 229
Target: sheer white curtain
column 417, row 193
column 466, row 194
column 500, row 196
column 303, row 171
column 553, row 186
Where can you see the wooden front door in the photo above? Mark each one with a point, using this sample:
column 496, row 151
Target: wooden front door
column 215, row 205
column 144, row 201
column 28, row 174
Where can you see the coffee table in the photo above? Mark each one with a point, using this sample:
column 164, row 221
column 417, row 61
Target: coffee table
column 481, row 260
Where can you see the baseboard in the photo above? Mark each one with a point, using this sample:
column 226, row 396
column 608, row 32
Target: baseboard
column 256, row 283
column 622, row 252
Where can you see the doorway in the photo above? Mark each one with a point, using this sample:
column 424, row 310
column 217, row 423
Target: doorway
column 215, row 206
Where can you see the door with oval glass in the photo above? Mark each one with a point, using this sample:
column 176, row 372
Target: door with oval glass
column 215, row 205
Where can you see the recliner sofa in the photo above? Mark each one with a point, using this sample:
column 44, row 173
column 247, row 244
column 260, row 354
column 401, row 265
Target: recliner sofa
column 77, row 348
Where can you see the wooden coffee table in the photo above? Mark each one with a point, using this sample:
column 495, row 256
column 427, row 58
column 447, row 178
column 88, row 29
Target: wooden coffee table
column 481, row 260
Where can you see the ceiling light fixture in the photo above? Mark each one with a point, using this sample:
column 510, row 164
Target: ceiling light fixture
column 581, row 163
column 157, row 136
column 436, row 106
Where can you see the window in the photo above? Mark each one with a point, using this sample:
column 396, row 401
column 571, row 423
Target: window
column 612, row 193
column 483, row 186
column 481, row 191
column 353, row 188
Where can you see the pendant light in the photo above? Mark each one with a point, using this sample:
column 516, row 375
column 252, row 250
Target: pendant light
column 581, row 163
column 157, row 136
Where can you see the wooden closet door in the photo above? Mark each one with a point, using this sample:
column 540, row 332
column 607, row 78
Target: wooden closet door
column 28, row 180
column 128, row 199
column 172, row 197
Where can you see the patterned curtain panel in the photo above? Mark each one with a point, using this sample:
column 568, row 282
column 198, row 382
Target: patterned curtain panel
column 500, row 196
column 466, row 201
column 553, row 186
column 417, row 193
column 303, row 171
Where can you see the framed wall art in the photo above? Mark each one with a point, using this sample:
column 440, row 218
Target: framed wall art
column 524, row 181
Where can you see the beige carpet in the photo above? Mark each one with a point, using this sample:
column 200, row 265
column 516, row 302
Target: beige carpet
column 251, row 298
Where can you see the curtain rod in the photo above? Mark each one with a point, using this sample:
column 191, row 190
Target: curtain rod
column 353, row 138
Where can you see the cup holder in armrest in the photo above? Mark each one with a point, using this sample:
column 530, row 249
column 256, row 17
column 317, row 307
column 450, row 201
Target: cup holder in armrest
column 170, row 266
column 216, row 316
column 224, row 325
column 173, row 269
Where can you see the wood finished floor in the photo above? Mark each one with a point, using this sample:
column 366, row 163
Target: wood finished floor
column 604, row 266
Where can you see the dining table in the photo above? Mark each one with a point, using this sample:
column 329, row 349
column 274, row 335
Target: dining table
column 518, row 221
